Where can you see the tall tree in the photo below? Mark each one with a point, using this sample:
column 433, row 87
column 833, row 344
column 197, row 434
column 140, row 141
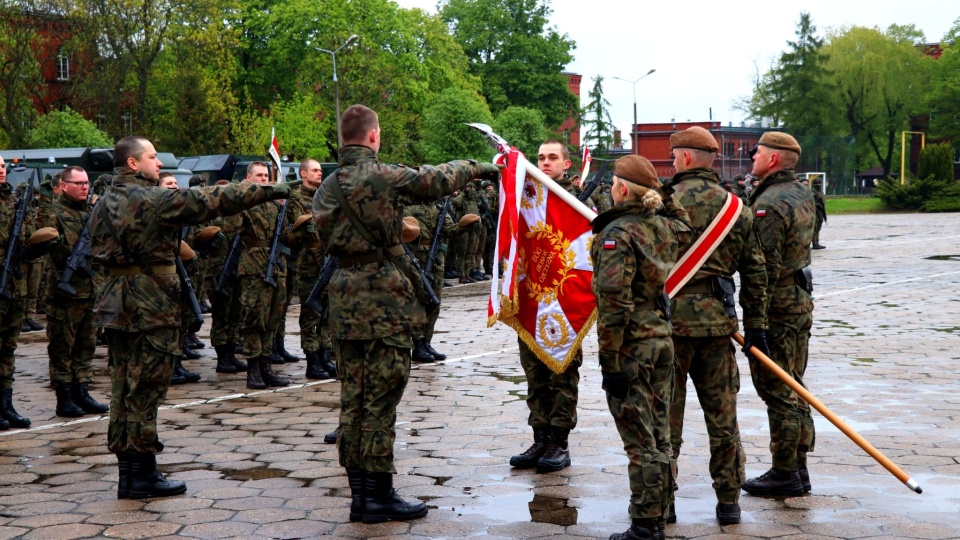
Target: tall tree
column 518, row 56
column 943, row 95
column 523, row 128
column 444, row 133
column 596, row 118
column 799, row 80
column 21, row 78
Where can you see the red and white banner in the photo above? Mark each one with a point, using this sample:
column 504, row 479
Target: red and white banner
column 587, row 161
column 274, row 151
column 700, row 251
column 545, row 294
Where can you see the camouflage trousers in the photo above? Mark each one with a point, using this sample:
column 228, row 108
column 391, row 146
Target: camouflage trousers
column 141, row 364
column 642, row 419
column 476, row 253
column 711, row 364
column 458, row 252
column 263, row 307
column 11, row 317
column 314, row 330
column 34, row 276
column 551, row 397
column 224, row 313
column 291, row 289
column 791, row 427
column 489, row 247
column 72, row 338
column 373, row 375
column 816, row 232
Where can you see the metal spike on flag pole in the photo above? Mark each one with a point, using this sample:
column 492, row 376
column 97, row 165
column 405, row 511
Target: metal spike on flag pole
column 587, row 161
column 274, row 152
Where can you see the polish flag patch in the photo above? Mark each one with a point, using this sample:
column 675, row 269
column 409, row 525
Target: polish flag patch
column 609, row 244
column 761, row 212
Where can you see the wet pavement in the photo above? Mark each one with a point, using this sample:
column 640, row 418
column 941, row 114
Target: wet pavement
column 885, row 357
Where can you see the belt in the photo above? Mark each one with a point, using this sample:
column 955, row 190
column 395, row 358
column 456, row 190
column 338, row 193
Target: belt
column 313, row 245
column 257, row 243
column 701, row 287
column 377, row 255
column 156, row 269
column 790, row 279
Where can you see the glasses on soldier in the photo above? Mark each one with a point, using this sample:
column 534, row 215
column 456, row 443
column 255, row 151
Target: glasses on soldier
column 753, row 151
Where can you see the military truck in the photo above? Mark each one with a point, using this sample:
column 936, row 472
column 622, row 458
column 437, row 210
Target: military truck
column 233, row 167
column 95, row 161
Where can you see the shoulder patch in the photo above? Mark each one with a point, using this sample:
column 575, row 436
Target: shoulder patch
column 761, row 212
column 609, row 244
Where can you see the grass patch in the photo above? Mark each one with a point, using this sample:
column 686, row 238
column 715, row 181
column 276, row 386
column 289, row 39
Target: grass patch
column 854, row 205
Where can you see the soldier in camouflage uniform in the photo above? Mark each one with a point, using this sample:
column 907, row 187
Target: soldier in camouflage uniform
column 784, row 214
column 472, row 237
column 551, row 397
column 704, row 317
column 489, row 193
column 12, row 309
column 134, row 234
column 598, row 200
column 71, row 333
column 314, row 329
column 372, row 302
column 821, row 203
column 633, row 252
column 261, row 304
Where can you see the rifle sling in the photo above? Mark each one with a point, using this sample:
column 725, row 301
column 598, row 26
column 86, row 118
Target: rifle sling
column 358, row 225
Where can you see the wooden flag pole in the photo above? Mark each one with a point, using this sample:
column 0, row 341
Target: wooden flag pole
column 833, row 418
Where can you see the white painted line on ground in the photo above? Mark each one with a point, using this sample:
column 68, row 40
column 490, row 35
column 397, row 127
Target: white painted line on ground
column 875, row 285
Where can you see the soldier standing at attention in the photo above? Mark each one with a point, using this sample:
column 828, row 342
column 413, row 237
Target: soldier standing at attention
column 821, row 204
column 784, row 215
column 359, row 212
column 134, row 233
column 632, row 254
column 704, row 317
column 551, row 397
column 216, row 239
column 71, row 333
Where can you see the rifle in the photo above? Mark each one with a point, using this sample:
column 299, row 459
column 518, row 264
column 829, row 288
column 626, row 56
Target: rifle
column 594, row 182
column 230, row 265
column 275, row 247
column 326, row 273
column 191, row 292
column 11, row 260
column 435, row 244
column 484, row 208
column 79, row 259
column 433, row 301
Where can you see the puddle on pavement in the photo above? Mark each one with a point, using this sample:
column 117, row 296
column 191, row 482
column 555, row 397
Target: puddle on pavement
column 863, row 361
column 943, row 258
column 258, row 473
column 529, row 506
column 516, row 379
column 951, row 330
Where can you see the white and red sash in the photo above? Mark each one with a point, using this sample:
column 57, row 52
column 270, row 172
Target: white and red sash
column 701, row 250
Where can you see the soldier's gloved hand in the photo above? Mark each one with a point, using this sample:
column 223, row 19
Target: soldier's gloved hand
column 284, row 190
column 755, row 337
column 489, row 171
column 615, row 383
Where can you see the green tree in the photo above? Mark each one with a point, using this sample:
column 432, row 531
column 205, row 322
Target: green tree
column 943, row 96
column 444, row 134
column 523, row 128
column 519, row 58
column 596, row 118
column 936, row 162
column 66, row 129
column 302, row 127
column 20, row 74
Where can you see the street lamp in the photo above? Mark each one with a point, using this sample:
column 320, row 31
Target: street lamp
column 636, row 134
column 336, row 86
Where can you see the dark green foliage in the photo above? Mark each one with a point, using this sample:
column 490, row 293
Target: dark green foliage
column 523, row 128
column 925, row 194
column 936, row 161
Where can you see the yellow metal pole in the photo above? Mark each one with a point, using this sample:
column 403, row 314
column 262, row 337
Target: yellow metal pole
column 903, row 154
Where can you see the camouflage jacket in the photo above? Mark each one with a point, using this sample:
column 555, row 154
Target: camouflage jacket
column 632, row 252
column 701, row 314
column 257, row 226
column 310, row 260
column 137, row 222
column 376, row 300
column 68, row 217
column 821, row 203
column 8, row 212
column 784, row 216
column 426, row 216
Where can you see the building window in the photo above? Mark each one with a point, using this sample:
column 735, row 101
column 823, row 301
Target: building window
column 127, row 123
column 63, row 68
column 101, row 120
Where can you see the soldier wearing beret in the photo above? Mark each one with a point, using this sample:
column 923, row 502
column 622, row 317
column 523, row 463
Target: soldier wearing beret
column 70, row 330
column 633, row 252
column 373, row 301
column 704, row 317
column 134, row 233
column 784, row 215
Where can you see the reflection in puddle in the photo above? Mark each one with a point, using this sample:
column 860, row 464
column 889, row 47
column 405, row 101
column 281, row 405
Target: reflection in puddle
column 943, row 258
column 257, row 473
column 528, row 506
column 545, row 509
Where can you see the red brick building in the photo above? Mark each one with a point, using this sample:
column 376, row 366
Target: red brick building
column 735, row 144
column 569, row 130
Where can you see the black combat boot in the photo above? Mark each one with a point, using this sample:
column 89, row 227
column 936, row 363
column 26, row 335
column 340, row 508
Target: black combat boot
column 431, row 350
column 181, row 375
column 326, row 361
column 187, row 353
column 640, row 529
column 30, row 325
column 775, row 482
column 123, row 466
column 557, row 455
column 194, row 341
column 331, row 438
column 146, row 481
column 281, row 351
column 672, row 514
column 728, row 513
column 254, row 380
column 314, row 369
column 267, row 374
column 355, row 479
column 65, row 405
column 381, row 502
column 83, row 399
column 805, row 480
column 223, row 360
column 4, row 425
column 528, row 459
column 420, row 354
column 8, row 412
column 231, row 349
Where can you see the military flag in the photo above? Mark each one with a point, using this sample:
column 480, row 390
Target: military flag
column 274, row 150
column 545, row 294
column 587, row 161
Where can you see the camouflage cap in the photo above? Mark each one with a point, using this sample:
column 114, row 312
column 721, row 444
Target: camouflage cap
column 780, row 141
column 637, row 170
column 695, row 137
column 186, row 252
column 43, row 235
column 468, row 219
column 411, row 229
column 301, row 221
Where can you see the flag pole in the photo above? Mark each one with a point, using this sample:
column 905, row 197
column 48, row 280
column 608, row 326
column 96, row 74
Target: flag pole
column 833, row 418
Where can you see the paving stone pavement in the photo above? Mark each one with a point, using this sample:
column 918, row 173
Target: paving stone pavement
column 885, row 356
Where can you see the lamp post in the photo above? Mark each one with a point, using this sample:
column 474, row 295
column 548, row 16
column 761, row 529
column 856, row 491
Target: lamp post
column 336, row 86
column 636, row 133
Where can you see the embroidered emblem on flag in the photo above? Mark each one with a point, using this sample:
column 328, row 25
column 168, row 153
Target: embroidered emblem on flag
column 609, row 244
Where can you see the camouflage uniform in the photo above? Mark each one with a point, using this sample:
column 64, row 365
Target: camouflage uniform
column 12, row 310
column 632, row 253
column 426, row 216
column 372, row 303
column 784, row 215
column 493, row 203
column 138, row 223
column 473, row 233
column 821, row 204
column 224, row 308
column 70, row 330
column 702, row 328
column 314, row 330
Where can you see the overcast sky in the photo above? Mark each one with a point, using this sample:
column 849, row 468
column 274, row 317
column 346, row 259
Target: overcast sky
column 704, row 53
